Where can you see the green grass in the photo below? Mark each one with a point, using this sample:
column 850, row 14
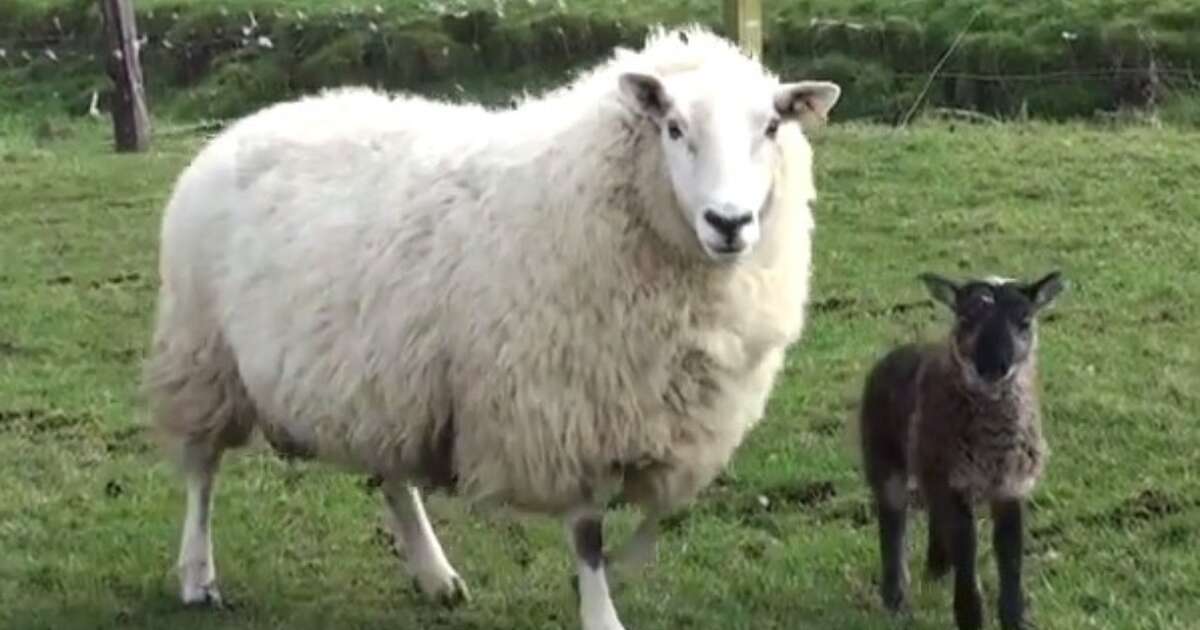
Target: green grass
column 89, row 515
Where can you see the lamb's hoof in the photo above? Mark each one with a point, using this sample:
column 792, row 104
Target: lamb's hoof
column 203, row 596
column 1023, row 624
column 450, row 593
column 895, row 601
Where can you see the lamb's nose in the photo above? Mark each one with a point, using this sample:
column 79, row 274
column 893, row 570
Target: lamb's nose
column 727, row 226
column 994, row 372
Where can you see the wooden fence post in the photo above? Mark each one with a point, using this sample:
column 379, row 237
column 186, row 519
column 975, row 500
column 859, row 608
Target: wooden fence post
column 743, row 22
column 131, row 120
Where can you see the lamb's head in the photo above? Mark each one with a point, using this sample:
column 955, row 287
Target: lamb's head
column 995, row 331
column 719, row 135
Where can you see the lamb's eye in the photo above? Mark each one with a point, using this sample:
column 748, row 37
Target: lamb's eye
column 772, row 128
column 977, row 305
column 674, row 131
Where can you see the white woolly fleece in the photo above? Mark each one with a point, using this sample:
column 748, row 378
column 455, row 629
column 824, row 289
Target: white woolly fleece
column 387, row 273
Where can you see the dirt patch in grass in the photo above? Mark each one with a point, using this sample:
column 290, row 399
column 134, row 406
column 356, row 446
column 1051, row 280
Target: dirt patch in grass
column 850, row 307
column 827, row 426
column 766, row 509
column 130, row 440
column 13, row 349
column 118, row 280
column 856, row 512
column 1046, row 536
column 803, row 495
column 114, row 489
column 833, row 304
column 1146, row 506
column 38, row 420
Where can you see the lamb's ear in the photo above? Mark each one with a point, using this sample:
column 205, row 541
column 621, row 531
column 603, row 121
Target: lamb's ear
column 646, row 92
column 1043, row 292
column 804, row 98
column 941, row 289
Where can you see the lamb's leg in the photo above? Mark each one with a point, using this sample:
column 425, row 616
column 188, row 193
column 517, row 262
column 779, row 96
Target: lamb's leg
column 197, row 572
column 585, row 533
column 1007, row 540
column 891, row 506
column 426, row 560
column 937, row 558
column 957, row 514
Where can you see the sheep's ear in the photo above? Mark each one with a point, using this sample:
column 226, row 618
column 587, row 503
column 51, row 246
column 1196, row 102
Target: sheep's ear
column 1043, row 292
column 807, row 98
column 647, row 93
column 941, row 289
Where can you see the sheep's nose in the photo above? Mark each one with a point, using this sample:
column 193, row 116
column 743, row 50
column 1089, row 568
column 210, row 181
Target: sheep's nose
column 727, row 226
column 995, row 373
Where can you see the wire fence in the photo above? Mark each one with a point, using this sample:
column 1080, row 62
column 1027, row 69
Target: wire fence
column 290, row 40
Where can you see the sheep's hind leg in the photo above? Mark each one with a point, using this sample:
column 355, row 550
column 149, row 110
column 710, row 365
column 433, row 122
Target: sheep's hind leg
column 585, row 532
column 891, row 506
column 426, row 559
column 197, row 571
column 638, row 550
column 937, row 555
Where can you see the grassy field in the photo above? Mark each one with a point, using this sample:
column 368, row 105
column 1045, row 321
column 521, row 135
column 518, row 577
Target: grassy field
column 89, row 515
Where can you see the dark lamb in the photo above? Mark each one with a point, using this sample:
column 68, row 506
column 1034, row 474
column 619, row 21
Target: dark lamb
column 961, row 418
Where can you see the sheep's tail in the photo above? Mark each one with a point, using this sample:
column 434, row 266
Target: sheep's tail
column 191, row 383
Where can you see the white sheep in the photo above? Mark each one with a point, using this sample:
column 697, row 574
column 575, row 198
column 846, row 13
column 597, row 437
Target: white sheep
column 587, row 296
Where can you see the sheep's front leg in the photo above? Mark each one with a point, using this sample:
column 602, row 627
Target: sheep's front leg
column 426, row 560
column 585, row 533
column 1007, row 538
column 959, row 519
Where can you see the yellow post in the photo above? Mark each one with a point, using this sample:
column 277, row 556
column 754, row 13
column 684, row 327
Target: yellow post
column 743, row 22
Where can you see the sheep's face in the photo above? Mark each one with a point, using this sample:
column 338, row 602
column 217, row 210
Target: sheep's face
column 994, row 331
column 719, row 146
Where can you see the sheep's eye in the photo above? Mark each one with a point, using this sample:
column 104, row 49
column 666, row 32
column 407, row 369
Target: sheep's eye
column 977, row 305
column 674, row 131
column 772, row 128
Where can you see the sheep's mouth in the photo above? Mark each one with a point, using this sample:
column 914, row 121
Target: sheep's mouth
column 991, row 386
column 724, row 252
column 725, row 249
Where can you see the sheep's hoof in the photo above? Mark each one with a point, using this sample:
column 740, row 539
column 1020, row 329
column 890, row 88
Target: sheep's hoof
column 1022, row 624
column 895, row 601
column 203, row 596
column 450, row 594
column 456, row 595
